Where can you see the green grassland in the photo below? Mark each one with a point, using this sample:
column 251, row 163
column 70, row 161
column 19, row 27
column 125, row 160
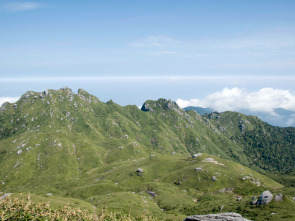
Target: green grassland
column 86, row 152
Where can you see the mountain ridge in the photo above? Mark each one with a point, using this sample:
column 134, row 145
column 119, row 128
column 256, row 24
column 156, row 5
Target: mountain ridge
column 279, row 117
column 74, row 145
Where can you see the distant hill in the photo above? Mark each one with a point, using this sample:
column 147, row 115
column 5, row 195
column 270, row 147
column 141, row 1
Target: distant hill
column 280, row 116
column 199, row 110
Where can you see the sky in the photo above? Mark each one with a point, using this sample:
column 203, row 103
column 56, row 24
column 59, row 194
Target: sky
column 226, row 54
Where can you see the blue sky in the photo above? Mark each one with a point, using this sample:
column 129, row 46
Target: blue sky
column 130, row 51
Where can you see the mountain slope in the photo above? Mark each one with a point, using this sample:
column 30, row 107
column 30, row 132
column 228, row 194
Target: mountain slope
column 126, row 159
column 271, row 148
column 80, row 133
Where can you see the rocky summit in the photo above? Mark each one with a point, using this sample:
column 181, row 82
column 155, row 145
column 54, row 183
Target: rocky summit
column 161, row 161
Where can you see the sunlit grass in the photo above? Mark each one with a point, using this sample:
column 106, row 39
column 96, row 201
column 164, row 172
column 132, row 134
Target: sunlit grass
column 16, row 209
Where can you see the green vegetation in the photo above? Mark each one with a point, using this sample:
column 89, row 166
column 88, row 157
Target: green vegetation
column 16, row 209
column 64, row 147
column 268, row 147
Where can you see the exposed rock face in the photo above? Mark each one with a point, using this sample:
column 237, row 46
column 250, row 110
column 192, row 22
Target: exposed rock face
column 264, row 198
column 279, row 197
column 198, row 169
column 211, row 160
column 146, row 107
column 4, row 105
column 139, row 170
column 46, row 92
column 5, row 195
column 162, row 104
column 19, row 152
column 196, row 155
column 152, row 194
column 217, row 217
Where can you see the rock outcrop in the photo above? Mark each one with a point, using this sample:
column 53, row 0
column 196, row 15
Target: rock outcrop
column 5, row 195
column 217, row 217
column 264, row 198
column 196, row 155
column 279, row 197
column 161, row 104
column 139, row 170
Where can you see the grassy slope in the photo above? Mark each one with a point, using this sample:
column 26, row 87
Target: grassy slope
column 80, row 150
column 268, row 147
column 117, row 187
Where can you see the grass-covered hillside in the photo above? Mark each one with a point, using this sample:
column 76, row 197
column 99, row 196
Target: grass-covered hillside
column 65, row 147
column 57, row 135
column 268, row 147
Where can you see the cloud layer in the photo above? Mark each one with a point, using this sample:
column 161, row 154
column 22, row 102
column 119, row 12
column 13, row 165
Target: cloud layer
column 8, row 99
column 21, row 6
column 235, row 99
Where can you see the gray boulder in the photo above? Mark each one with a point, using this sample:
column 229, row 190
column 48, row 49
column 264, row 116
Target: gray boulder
column 5, row 195
column 139, row 170
column 217, row 217
column 19, row 152
column 264, row 198
column 198, row 169
column 46, row 92
column 151, row 193
column 196, row 155
column 279, row 197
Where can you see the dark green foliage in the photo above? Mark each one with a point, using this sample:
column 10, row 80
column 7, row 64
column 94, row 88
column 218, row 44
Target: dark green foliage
column 268, row 147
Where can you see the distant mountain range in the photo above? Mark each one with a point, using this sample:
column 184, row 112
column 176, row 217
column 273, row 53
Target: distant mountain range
column 280, row 116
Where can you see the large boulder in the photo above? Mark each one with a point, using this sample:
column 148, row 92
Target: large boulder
column 217, row 217
column 264, row 198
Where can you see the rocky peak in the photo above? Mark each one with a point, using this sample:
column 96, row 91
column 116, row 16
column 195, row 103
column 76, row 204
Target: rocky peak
column 84, row 95
column 83, row 92
column 162, row 104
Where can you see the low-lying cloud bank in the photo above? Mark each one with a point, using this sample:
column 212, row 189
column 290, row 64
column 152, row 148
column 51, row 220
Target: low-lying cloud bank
column 8, row 99
column 236, row 99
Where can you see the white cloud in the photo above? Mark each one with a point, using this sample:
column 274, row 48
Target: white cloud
column 8, row 99
column 21, row 6
column 235, row 99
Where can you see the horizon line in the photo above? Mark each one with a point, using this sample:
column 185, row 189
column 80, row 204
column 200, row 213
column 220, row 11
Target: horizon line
column 143, row 78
